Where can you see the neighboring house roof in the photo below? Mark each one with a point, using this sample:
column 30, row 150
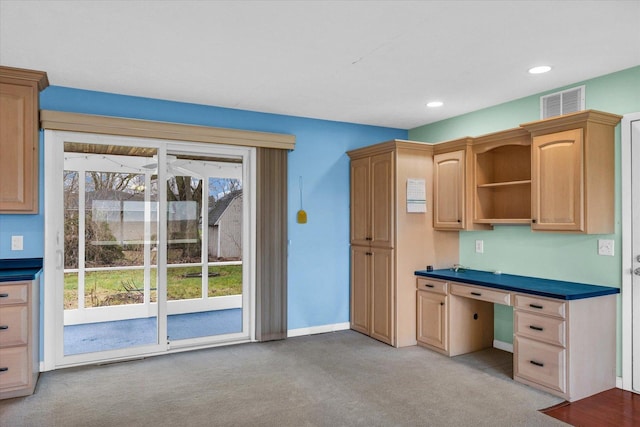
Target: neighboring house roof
column 221, row 205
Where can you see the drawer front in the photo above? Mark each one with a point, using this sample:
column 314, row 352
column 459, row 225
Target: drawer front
column 14, row 325
column 432, row 286
column 543, row 328
column 540, row 363
column 483, row 294
column 541, row 305
column 14, row 293
column 14, row 367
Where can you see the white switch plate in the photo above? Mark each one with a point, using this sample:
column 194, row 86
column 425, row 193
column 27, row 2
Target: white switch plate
column 480, row 246
column 17, row 243
column 605, row 247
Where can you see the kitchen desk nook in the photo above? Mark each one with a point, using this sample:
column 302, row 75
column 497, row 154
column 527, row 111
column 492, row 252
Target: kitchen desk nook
column 564, row 339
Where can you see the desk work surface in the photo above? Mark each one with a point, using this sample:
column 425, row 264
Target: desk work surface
column 529, row 285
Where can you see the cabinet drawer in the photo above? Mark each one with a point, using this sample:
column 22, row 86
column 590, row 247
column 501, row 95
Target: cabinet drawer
column 483, row 294
column 540, row 363
column 14, row 325
column 540, row 305
column 543, row 328
column 432, row 286
column 14, row 367
column 14, row 294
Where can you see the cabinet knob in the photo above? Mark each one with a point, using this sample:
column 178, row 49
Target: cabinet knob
column 540, row 364
column 4, row 295
column 539, row 307
column 4, row 369
column 533, row 221
column 459, row 220
column 536, row 328
column 4, row 327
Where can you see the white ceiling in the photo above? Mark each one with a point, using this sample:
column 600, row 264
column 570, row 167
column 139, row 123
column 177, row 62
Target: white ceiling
column 369, row 62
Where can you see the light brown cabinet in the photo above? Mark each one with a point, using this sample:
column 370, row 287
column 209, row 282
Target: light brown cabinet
column 19, row 90
column 432, row 312
column 573, row 172
column 372, row 292
column 448, row 190
column 19, row 324
column 562, row 348
column 389, row 243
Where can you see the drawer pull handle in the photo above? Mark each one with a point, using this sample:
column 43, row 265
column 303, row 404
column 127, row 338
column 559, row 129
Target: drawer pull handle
column 539, row 307
column 428, row 286
column 536, row 328
column 4, row 327
column 4, row 369
column 4, row 295
column 533, row 362
column 478, row 294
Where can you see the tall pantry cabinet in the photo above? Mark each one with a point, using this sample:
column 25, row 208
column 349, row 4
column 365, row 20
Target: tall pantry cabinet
column 388, row 243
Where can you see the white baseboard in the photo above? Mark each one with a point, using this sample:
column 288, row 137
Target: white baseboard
column 619, row 383
column 501, row 345
column 317, row 329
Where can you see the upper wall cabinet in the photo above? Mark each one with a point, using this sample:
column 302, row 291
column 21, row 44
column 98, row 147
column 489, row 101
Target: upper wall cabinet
column 502, row 178
column 19, row 91
column 450, row 193
column 573, row 171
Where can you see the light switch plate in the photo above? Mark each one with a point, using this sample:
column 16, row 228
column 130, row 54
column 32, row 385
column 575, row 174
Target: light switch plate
column 480, row 246
column 17, row 243
column 605, row 247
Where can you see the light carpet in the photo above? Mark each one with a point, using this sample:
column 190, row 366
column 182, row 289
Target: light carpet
column 335, row 379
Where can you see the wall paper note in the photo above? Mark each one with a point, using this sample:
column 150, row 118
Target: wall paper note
column 416, row 195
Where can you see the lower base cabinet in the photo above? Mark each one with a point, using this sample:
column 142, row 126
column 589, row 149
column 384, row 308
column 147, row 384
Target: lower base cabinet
column 564, row 347
column 372, row 297
column 19, row 366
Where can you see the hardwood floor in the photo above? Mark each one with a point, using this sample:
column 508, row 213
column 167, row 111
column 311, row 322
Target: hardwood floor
column 613, row 407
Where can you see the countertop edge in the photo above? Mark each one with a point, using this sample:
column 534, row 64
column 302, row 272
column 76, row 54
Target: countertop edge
column 593, row 292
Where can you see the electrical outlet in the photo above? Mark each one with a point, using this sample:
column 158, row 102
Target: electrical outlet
column 479, row 246
column 17, row 243
column 605, row 247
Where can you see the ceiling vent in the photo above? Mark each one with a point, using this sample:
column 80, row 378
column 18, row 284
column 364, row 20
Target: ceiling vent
column 566, row 101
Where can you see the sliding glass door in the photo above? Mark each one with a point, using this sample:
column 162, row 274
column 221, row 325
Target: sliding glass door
column 151, row 242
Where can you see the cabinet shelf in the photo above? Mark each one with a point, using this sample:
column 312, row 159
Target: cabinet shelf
column 505, row 184
column 525, row 221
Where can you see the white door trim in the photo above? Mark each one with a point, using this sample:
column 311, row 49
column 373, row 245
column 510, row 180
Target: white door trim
column 627, row 230
column 53, row 322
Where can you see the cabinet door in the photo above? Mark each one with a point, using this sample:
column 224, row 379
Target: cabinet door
column 360, row 202
column 382, row 301
column 382, row 200
column 360, row 286
column 448, row 190
column 18, row 145
column 432, row 319
column 557, row 178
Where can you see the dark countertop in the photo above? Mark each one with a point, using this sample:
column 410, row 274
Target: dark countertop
column 19, row 269
column 524, row 284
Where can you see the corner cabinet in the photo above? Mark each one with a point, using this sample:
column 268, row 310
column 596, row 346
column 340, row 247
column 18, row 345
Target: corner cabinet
column 19, row 90
column 388, row 243
column 573, row 172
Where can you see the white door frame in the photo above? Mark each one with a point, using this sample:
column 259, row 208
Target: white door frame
column 53, row 322
column 627, row 162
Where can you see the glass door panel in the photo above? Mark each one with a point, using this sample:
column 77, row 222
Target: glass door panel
column 205, row 272
column 111, row 229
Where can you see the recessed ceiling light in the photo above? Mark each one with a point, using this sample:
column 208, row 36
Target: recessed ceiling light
column 433, row 104
column 540, row 69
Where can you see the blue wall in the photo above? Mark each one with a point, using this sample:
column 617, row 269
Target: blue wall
column 319, row 250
